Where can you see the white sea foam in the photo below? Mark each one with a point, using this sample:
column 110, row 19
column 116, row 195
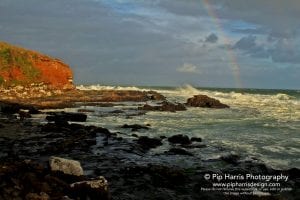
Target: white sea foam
column 103, row 87
column 280, row 106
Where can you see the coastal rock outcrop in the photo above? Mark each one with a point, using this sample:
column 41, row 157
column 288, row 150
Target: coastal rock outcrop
column 148, row 143
column 19, row 66
column 63, row 116
column 205, row 101
column 164, row 106
column 179, row 139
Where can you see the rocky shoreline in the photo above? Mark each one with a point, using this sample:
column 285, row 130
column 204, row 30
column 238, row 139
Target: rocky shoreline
column 127, row 162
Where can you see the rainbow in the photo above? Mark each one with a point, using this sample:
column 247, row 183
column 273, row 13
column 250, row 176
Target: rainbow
column 234, row 65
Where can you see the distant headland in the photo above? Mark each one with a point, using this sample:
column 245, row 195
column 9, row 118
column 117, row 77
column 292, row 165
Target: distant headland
column 23, row 67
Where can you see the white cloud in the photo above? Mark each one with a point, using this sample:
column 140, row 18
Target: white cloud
column 188, row 68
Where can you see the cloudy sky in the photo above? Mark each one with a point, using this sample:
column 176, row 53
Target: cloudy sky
column 215, row 43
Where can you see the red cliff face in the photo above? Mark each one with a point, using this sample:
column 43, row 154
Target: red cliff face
column 19, row 66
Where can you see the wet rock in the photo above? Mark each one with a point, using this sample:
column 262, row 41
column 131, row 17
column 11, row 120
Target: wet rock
column 80, row 132
column 155, row 96
column 9, row 108
column 51, row 127
column 75, row 126
column 135, row 127
column 133, row 135
column 66, row 166
column 179, row 139
column 24, row 115
column 165, row 106
column 89, row 142
column 92, row 189
column 2, row 126
column 148, row 143
column 179, row 151
column 63, row 116
column 231, row 158
column 166, row 176
column 85, row 111
column 293, row 172
column 101, row 130
column 196, row 139
column 62, row 123
column 35, row 196
column 195, row 146
column 205, row 101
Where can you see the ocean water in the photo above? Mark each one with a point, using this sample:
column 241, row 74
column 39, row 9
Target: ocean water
column 260, row 124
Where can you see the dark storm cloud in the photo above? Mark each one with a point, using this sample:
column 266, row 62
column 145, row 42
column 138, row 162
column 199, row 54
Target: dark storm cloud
column 249, row 46
column 277, row 17
column 246, row 43
column 283, row 51
column 212, row 38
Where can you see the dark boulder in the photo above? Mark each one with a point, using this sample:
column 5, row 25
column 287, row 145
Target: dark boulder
column 148, row 143
column 135, row 127
column 165, row 106
column 205, row 101
column 179, row 151
column 231, row 158
column 63, row 116
column 180, row 139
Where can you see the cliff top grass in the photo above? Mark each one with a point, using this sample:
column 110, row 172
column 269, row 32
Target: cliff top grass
column 16, row 64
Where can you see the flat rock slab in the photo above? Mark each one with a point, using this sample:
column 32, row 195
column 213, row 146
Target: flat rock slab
column 66, row 166
column 63, row 116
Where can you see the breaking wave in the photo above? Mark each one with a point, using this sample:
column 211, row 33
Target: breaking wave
column 103, row 87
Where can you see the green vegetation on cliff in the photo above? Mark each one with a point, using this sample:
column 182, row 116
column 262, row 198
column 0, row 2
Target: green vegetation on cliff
column 12, row 57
